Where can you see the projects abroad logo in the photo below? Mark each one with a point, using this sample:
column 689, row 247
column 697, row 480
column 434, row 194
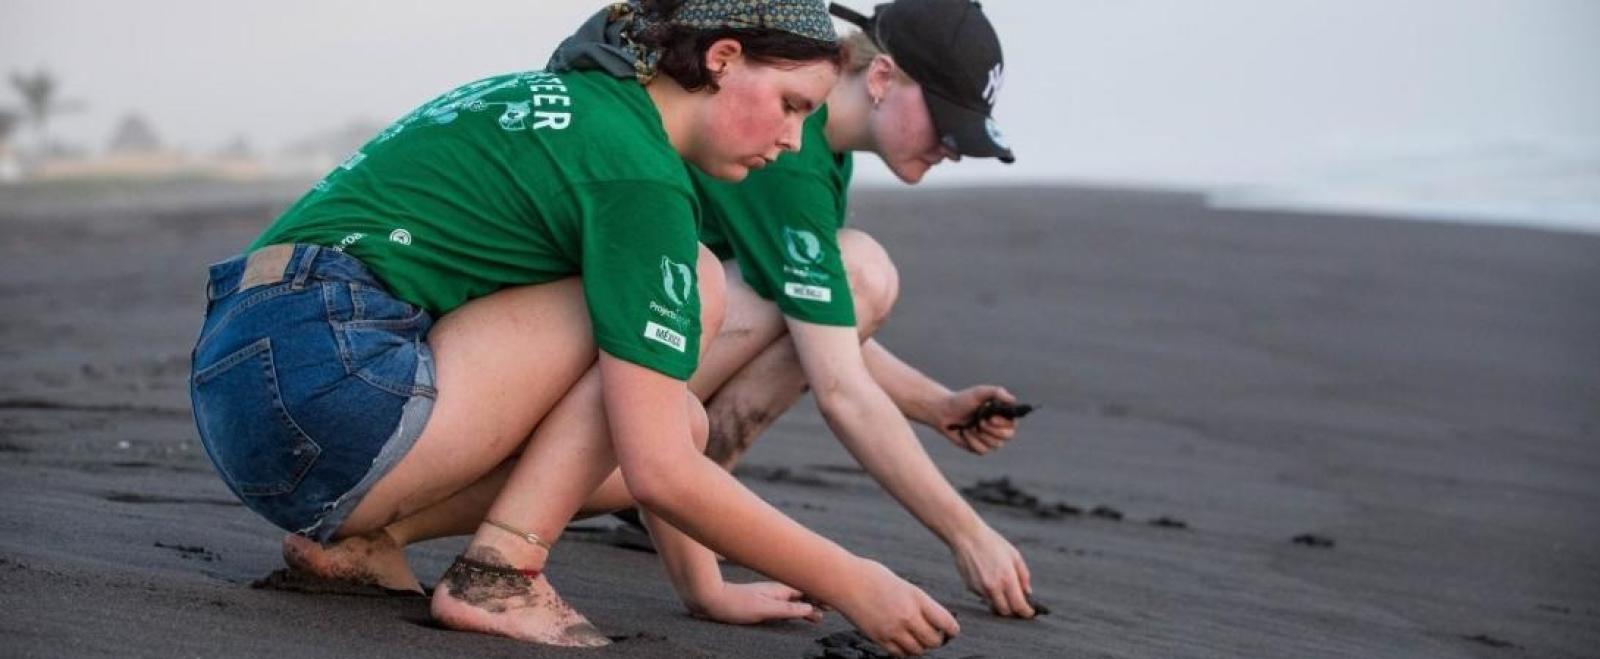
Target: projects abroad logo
column 802, row 247
column 677, row 281
column 804, row 250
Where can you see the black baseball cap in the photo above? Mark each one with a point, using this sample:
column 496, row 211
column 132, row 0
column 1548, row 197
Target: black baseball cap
column 950, row 49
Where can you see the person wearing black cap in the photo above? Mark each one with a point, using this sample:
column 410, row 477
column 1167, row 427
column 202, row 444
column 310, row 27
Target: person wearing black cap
column 805, row 294
column 952, row 54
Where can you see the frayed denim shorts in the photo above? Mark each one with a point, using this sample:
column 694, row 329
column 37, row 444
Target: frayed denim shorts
column 310, row 382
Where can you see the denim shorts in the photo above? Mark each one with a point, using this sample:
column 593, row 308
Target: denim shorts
column 310, row 382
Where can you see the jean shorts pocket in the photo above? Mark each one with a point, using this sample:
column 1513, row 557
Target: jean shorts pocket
column 246, row 429
column 380, row 343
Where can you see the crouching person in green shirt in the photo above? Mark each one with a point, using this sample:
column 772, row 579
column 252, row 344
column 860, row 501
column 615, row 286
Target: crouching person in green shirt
column 545, row 220
column 805, row 294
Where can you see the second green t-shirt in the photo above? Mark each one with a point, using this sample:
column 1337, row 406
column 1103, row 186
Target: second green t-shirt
column 782, row 224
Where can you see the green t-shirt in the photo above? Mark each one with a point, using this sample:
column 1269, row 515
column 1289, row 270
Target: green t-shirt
column 519, row 179
column 782, row 224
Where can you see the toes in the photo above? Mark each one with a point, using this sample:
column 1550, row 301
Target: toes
column 583, row 635
column 298, row 551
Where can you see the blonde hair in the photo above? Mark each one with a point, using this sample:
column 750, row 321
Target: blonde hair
column 859, row 51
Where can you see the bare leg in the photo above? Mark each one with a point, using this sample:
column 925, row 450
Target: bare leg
column 461, row 443
column 750, row 325
column 771, row 382
column 496, row 587
column 753, row 400
column 378, row 557
column 493, row 392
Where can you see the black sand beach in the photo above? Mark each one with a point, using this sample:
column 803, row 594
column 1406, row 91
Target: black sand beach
column 1323, row 437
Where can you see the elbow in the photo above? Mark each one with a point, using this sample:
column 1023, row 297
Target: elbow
column 837, row 398
column 651, row 485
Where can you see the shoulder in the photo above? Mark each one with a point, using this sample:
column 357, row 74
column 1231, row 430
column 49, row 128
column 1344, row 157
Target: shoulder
column 606, row 129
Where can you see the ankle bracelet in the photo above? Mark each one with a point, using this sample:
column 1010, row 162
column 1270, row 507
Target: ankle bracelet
column 531, row 537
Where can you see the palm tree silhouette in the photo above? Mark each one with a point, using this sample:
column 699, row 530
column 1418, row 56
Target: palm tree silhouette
column 40, row 102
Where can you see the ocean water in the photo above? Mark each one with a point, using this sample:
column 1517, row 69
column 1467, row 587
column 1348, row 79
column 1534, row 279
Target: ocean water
column 1551, row 183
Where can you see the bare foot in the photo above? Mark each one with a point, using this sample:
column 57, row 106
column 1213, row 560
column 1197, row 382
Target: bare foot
column 374, row 559
column 482, row 593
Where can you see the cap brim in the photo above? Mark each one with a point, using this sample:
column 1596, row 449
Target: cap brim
column 971, row 133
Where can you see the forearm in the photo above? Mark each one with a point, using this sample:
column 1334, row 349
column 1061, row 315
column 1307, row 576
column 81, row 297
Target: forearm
column 866, row 421
column 913, row 393
column 690, row 566
column 673, row 480
column 711, row 506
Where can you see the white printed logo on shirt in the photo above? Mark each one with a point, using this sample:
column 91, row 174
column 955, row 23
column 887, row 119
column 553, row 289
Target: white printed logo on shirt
column 664, row 336
column 802, row 246
column 677, row 280
column 801, row 291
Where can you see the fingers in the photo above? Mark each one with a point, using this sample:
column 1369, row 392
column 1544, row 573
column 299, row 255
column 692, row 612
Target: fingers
column 1005, row 396
column 940, row 618
column 998, row 426
column 988, row 441
column 926, row 637
column 781, row 591
column 791, row 603
column 801, row 610
column 783, row 610
column 969, row 440
column 818, row 605
column 998, row 602
column 1008, row 595
column 990, row 435
column 1017, row 600
column 931, row 630
column 1022, row 571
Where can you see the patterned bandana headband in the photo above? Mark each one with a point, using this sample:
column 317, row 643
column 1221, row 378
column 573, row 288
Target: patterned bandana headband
column 806, row 18
column 802, row 17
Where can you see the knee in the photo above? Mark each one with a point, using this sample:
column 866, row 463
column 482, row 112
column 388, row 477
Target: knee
column 713, row 297
column 699, row 423
column 874, row 280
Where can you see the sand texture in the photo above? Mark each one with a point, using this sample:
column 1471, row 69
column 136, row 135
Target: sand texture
column 1258, row 435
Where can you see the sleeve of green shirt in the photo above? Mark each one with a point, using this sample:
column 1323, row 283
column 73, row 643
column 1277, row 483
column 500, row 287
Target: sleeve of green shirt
column 783, row 228
column 640, row 248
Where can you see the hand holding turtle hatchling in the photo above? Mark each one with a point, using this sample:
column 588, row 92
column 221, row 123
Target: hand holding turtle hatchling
column 980, row 419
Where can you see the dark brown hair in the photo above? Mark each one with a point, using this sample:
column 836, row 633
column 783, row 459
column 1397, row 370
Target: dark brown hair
column 683, row 49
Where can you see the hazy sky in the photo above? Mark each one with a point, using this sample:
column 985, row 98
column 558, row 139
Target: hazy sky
column 1121, row 90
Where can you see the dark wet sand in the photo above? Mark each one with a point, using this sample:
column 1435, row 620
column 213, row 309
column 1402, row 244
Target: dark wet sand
column 1426, row 396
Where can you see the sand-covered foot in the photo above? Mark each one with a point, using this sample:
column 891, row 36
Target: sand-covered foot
column 482, row 593
column 374, row 559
